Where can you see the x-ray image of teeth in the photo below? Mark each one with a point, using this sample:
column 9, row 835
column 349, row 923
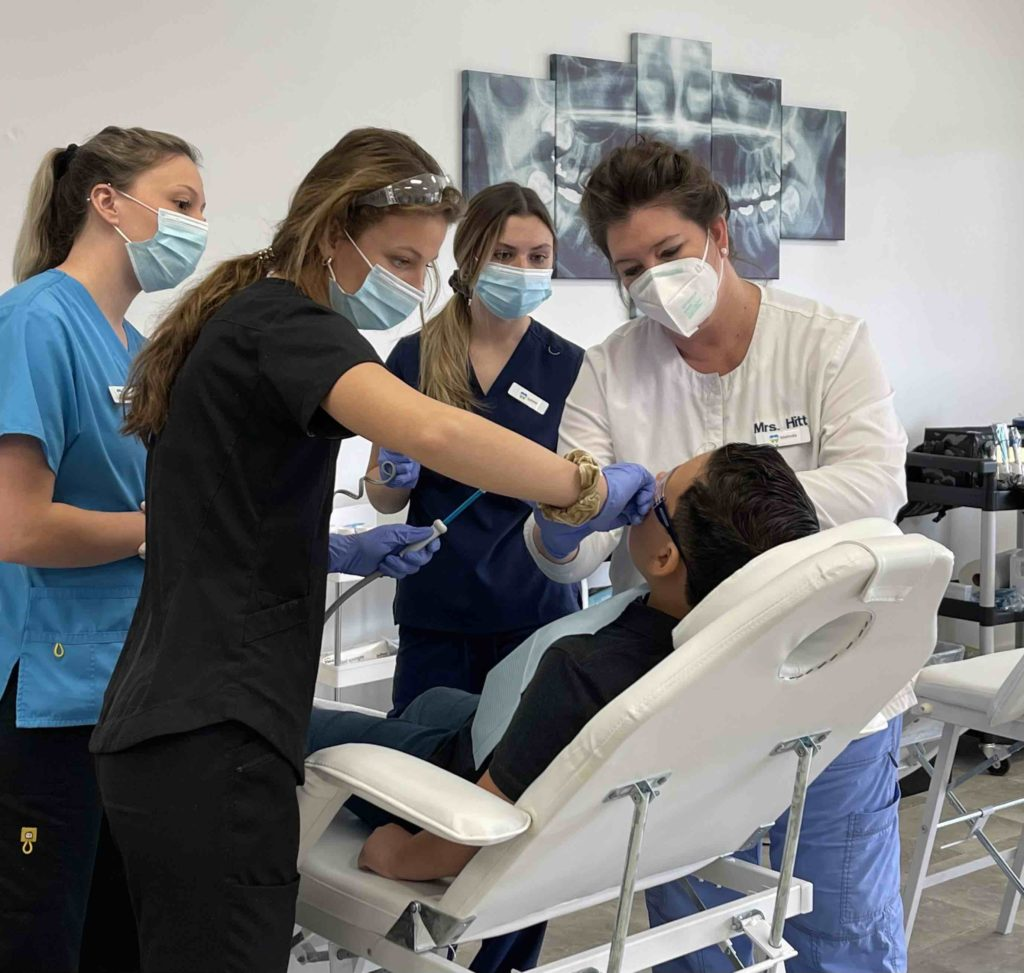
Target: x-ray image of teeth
column 746, row 158
column 595, row 112
column 813, row 174
column 508, row 133
column 673, row 92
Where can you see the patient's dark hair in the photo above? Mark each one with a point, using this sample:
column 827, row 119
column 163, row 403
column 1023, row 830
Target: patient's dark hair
column 746, row 501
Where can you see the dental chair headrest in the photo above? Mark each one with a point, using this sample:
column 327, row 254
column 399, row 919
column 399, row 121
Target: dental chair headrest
column 766, row 567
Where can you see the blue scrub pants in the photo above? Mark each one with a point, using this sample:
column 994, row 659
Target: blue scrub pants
column 850, row 850
column 428, row 658
column 430, row 720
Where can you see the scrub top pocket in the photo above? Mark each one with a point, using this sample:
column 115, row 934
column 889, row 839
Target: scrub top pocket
column 71, row 642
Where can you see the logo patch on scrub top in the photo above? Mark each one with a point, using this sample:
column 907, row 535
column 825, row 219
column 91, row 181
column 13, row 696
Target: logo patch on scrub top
column 790, row 432
column 528, row 399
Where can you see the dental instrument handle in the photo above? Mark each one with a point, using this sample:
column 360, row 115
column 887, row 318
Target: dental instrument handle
column 439, row 528
column 468, row 502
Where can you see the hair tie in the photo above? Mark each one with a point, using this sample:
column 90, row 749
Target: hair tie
column 63, row 161
column 457, row 284
column 265, row 256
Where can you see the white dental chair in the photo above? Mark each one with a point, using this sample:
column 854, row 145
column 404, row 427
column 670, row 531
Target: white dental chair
column 787, row 660
column 985, row 693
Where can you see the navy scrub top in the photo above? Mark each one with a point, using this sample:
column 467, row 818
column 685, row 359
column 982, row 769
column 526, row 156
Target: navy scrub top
column 483, row 579
column 61, row 370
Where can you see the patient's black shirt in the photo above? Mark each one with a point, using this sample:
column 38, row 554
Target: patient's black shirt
column 578, row 676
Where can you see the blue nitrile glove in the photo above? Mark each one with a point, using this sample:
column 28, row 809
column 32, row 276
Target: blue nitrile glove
column 630, row 495
column 407, row 470
column 380, row 550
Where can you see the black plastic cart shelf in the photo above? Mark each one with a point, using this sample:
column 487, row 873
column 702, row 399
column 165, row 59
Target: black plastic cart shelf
column 990, row 499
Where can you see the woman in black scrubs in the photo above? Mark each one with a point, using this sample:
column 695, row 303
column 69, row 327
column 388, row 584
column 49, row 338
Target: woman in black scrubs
column 242, row 396
column 484, row 352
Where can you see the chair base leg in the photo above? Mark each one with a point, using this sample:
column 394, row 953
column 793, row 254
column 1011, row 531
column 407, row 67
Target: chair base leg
column 929, row 823
column 1012, row 898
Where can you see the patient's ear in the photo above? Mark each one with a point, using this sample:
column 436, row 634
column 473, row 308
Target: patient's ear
column 665, row 561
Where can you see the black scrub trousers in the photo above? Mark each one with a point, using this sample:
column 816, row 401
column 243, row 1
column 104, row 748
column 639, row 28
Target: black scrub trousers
column 200, row 742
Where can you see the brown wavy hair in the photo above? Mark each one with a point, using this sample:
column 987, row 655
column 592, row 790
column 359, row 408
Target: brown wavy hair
column 323, row 207
column 444, row 340
column 649, row 173
column 58, row 199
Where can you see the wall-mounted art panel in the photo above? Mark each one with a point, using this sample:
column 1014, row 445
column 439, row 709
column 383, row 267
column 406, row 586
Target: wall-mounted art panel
column 595, row 111
column 813, row 174
column 508, row 133
column 746, row 157
column 673, row 92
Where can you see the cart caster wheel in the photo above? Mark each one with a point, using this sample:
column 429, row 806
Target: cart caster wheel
column 1000, row 769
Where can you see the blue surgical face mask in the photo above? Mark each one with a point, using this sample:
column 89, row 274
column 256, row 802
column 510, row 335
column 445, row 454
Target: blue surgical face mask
column 171, row 254
column 382, row 302
column 511, row 292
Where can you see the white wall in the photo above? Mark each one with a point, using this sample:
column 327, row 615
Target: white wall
column 932, row 89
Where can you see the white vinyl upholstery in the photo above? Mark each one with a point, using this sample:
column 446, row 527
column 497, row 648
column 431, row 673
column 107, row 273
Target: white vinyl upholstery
column 420, row 793
column 812, row 636
column 993, row 685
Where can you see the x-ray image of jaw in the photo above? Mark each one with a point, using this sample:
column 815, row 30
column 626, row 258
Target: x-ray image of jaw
column 746, row 157
column 673, row 92
column 508, row 133
column 595, row 113
column 813, row 174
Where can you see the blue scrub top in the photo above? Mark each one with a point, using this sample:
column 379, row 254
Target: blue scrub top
column 64, row 627
column 483, row 579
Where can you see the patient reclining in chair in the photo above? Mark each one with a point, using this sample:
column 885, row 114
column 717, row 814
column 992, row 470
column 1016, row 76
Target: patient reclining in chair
column 711, row 516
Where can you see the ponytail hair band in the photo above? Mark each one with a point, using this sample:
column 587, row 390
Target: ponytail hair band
column 62, row 162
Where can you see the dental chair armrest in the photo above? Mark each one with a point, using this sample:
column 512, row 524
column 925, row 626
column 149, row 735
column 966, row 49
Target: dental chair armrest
column 420, row 793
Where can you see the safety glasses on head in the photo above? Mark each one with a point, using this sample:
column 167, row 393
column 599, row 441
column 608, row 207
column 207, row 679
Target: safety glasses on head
column 423, row 190
column 660, row 508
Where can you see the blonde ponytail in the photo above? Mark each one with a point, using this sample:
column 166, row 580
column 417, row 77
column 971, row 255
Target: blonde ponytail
column 57, row 199
column 33, row 251
column 444, row 356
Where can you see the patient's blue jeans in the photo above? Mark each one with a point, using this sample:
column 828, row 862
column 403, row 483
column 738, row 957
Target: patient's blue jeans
column 850, row 850
column 427, row 722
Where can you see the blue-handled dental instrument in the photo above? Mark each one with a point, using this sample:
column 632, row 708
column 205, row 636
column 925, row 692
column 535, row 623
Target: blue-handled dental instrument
column 439, row 527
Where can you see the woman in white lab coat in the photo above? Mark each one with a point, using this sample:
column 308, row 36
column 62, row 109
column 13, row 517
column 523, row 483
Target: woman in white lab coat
column 713, row 359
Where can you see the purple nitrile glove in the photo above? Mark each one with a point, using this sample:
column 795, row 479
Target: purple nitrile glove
column 630, row 495
column 407, row 470
column 380, row 550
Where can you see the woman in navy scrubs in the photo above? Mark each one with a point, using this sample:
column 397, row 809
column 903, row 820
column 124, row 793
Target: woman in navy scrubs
column 119, row 214
column 481, row 595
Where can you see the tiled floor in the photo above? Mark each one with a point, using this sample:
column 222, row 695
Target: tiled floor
column 955, row 930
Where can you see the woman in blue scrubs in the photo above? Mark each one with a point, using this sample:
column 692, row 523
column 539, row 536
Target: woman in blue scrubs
column 481, row 595
column 116, row 215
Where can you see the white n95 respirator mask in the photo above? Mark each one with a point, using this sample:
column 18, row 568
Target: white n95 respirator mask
column 680, row 294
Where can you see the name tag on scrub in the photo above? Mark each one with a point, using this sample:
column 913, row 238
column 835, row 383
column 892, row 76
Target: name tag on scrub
column 793, row 431
column 117, row 394
column 528, row 399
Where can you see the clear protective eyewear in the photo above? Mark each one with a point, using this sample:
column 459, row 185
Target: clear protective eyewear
column 425, row 189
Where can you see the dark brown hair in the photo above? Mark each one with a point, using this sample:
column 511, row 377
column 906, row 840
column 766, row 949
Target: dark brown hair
column 444, row 341
column 746, row 500
column 649, row 173
column 325, row 204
